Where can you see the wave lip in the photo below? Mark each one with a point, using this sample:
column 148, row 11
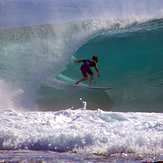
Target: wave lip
column 23, row 13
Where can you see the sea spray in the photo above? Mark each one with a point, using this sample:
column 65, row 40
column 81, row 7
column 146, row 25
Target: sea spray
column 85, row 104
column 82, row 131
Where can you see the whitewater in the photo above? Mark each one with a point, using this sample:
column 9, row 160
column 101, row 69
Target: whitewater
column 43, row 119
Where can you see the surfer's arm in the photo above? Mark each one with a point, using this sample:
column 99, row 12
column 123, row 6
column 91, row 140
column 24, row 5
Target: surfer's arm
column 97, row 71
column 78, row 61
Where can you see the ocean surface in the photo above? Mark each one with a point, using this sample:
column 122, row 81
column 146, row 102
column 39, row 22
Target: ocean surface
column 43, row 118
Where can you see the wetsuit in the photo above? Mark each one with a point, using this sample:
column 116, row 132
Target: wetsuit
column 85, row 67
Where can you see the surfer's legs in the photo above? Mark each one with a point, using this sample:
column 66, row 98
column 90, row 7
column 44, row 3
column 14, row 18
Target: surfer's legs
column 85, row 78
column 91, row 79
column 83, row 69
column 86, row 69
column 84, row 72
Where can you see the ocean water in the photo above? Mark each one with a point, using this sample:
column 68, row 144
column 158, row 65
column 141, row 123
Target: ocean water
column 43, row 118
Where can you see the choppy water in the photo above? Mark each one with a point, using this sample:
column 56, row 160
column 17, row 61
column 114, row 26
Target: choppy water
column 82, row 131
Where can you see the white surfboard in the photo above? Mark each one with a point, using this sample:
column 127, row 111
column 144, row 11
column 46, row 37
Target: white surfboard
column 88, row 87
column 70, row 82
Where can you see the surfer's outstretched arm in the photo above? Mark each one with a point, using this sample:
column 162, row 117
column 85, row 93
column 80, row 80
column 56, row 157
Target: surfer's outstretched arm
column 78, row 61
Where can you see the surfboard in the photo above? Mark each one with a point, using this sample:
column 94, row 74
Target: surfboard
column 70, row 82
column 88, row 87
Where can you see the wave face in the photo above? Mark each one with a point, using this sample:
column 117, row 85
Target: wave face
column 127, row 42
column 130, row 61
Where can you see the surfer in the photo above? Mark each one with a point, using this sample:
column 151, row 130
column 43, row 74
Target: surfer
column 85, row 69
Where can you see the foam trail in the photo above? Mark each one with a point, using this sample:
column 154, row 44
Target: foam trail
column 71, row 131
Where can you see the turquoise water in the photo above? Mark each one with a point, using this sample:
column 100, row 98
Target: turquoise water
column 130, row 61
column 39, row 110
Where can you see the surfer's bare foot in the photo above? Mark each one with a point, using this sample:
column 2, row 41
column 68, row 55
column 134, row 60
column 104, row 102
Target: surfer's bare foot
column 76, row 83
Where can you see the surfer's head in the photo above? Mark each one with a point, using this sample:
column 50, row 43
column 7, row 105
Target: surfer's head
column 95, row 58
